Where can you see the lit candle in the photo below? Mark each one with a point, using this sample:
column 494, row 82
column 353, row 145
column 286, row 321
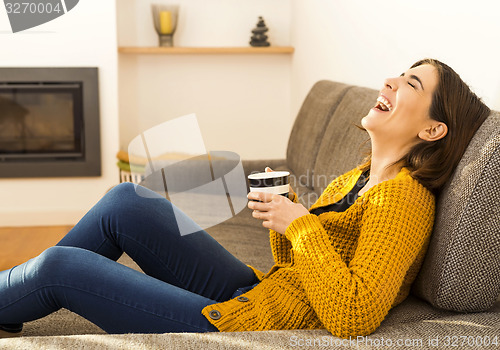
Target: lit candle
column 166, row 22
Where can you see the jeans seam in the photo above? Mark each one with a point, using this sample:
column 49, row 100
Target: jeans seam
column 100, row 296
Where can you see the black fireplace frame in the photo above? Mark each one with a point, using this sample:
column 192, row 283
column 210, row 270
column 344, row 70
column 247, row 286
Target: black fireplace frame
column 89, row 162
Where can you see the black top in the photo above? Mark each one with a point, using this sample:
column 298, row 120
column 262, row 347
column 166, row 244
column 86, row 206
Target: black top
column 348, row 199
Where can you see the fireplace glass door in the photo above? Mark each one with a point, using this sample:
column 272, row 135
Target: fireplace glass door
column 41, row 121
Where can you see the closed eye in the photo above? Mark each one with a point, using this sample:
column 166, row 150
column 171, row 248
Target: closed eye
column 414, row 77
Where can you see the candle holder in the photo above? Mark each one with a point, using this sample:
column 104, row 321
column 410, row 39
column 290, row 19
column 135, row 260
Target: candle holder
column 165, row 21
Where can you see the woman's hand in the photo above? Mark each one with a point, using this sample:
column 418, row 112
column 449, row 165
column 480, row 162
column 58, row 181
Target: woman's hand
column 277, row 212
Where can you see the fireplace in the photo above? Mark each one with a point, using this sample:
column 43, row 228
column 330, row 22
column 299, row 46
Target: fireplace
column 49, row 122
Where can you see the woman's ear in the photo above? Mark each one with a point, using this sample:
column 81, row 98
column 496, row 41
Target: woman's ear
column 434, row 132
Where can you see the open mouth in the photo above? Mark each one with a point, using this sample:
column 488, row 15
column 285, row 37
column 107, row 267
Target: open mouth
column 383, row 104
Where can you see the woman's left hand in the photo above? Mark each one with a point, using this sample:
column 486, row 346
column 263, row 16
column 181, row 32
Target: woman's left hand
column 277, row 211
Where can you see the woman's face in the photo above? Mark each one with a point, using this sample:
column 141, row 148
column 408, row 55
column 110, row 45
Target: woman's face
column 402, row 108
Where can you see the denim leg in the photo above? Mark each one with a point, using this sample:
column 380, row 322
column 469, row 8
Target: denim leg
column 146, row 229
column 114, row 297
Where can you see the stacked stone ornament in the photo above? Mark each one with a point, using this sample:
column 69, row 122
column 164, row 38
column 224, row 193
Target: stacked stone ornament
column 259, row 38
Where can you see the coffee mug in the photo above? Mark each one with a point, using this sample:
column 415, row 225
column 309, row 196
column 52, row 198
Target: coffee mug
column 275, row 182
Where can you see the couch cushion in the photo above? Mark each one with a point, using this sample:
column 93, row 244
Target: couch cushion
column 417, row 331
column 309, row 126
column 462, row 268
column 342, row 146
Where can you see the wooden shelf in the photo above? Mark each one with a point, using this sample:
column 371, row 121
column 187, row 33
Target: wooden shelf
column 205, row 50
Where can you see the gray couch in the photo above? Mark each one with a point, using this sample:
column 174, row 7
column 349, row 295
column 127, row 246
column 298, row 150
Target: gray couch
column 455, row 299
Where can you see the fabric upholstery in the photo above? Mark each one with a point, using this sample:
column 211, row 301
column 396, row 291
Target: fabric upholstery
column 414, row 321
column 341, row 148
column 309, row 126
column 462, row 268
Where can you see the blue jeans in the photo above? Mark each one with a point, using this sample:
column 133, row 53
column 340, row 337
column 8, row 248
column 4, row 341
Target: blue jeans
column 183, row 274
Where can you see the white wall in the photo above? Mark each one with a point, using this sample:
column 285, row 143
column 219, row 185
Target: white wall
column 242, row 101
column 85, row 36
column 364, row 41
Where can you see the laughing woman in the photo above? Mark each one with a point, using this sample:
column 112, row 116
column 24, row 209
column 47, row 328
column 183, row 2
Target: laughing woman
column 341, row 264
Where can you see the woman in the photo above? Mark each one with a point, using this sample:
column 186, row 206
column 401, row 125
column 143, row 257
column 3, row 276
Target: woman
column 341, row 265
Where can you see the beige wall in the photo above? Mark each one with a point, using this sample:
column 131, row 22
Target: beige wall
column 85, row 36
column 359, row 42
column 242, row 102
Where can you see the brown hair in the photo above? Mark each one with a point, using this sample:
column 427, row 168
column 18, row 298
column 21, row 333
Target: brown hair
column 453, row 103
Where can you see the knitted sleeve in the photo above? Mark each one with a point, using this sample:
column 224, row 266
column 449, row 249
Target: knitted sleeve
column 352, row 298
column 280, row 245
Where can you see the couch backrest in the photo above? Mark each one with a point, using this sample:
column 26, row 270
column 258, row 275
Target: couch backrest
column 461, row 271
column 324, row 142
column 309, row 127
column 344, row 145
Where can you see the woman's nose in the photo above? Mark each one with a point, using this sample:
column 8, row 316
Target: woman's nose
column 391, row 83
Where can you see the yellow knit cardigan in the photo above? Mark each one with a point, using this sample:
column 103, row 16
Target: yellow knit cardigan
column 342, row 271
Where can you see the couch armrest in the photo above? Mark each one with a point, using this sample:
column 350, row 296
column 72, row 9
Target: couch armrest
column 258, row 165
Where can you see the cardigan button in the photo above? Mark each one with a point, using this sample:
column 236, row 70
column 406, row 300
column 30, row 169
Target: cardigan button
column 242, row 299
column 214, row 315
